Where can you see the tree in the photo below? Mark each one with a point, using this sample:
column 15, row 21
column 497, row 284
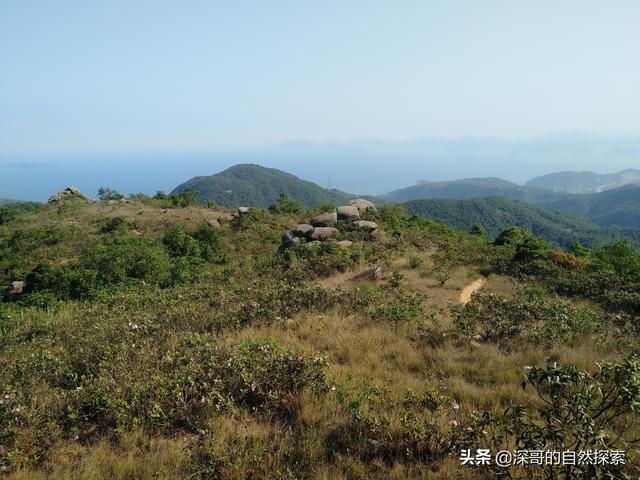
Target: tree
column 105, row 193
column 477, row 230
column 284, row 204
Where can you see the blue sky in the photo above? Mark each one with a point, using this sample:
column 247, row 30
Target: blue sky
column 158, row 76
column 189, row 87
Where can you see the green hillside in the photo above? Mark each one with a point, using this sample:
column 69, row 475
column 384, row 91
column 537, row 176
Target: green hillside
column 620, row 206
column 496, row 214
column 256, row 186
column 469, row 188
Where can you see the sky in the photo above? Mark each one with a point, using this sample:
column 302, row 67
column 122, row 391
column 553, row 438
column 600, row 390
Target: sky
column 87, row 78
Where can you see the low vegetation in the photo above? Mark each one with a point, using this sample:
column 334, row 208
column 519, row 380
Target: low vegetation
column 163, row 338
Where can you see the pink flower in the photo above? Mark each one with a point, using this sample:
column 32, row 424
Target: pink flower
column 453, row 423
column 253, row 386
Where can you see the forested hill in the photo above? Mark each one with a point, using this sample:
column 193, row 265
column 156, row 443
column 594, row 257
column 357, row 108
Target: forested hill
column 257, row 186
column 620, row 206
column 495, row 214
column 584, row 182
column 470, row 188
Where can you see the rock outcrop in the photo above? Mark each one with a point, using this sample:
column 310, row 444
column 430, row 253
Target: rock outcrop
column 325, row 219
column 69, row 192
column 322, row 227
column 366, row 224
column 324, row 233
column 362, row 205
column 348, row 212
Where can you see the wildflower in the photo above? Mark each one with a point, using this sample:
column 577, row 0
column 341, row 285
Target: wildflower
column 453, row 423
column 455, row 405
column 133, row 327
column 253, row 386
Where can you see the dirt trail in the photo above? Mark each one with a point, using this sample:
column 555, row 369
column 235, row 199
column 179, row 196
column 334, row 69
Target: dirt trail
column 465, row 295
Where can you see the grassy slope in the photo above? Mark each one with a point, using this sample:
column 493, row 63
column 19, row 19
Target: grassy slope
column 369, row 360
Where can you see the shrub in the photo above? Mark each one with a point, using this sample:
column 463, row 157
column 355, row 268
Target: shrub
column 109, row 194
column 284, row 204
column 566, row 259
column 114, row 225
column 130, row 259
column 406, row 308
column 181, row 244
column 532, row 318
column 579, row 411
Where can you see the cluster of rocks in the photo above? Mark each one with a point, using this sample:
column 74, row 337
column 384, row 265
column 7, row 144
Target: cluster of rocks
column 68, row 192
column 322, row 227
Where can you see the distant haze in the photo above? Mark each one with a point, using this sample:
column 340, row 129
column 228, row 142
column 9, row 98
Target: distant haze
column 144, row 94
column 361, row 167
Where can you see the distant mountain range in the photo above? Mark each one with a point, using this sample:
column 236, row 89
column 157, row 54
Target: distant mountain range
column 584, row 182
column 257, row 186
column 5, row 201
column 493, row 202
column 495, row 214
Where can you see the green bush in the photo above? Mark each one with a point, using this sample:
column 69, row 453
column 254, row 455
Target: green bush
column 579, row 411
column 109, row 194
column 126, row 260
column 532, row 318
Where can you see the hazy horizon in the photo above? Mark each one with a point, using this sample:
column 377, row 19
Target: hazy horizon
column 361, row 96
column 361, row 167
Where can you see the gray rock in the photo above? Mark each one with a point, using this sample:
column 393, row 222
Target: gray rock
column 214, row 223
column 348, row 212
column 324, row 233
column 366, row 224
column 325, row 219
column 17, row 286
column 345, row 243
column 302, row 229
column 68, row 192
column 289, row 239
column 379, row 235
column 243, row 210
column 362, row 205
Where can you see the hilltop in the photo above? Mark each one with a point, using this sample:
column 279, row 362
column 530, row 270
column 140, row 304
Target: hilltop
column 584, row 182
column 257, row 186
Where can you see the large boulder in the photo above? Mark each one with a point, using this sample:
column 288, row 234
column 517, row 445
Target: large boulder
column 69, row 192
column 348, row 212
column 325, row 219
column 302, row 229
column 371, row 226
column 324, row 233
column 362, row 205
